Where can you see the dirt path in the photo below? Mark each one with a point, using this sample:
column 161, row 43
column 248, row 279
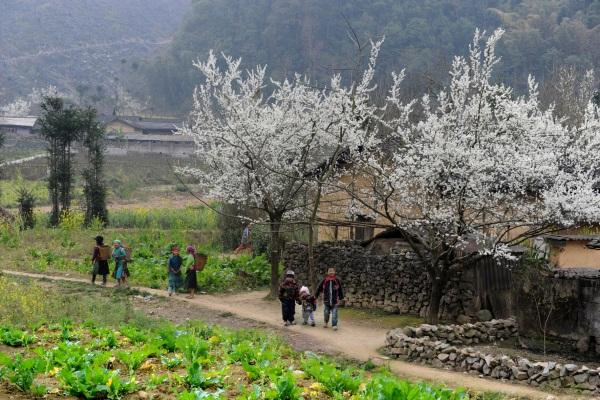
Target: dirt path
column 352, row 340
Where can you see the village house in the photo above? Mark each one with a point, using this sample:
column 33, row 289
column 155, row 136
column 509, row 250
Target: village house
column 18, row 126
column 124, row 134
column 574, row 251
column 124, row 125
column 133, row 134
column 343, row 218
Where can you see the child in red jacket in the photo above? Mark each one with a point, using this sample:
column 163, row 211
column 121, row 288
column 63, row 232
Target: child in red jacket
column 333, row 294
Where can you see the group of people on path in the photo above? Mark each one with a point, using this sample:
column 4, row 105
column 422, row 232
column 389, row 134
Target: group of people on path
column 192, row 262
column 290, row 294
column 100, row 256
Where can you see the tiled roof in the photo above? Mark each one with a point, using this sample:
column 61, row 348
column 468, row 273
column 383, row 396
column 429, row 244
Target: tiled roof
column 147, row 124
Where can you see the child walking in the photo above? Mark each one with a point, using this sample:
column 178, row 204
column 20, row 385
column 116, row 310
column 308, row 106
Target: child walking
column 309, row 306
column 288, row 295
column 175, row 263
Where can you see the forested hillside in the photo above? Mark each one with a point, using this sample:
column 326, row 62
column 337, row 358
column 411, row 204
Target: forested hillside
column 313, row 36
column 80, row 45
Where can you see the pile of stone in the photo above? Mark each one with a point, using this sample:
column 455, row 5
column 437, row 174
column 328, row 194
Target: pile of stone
column 426, row 345
column 467, row 334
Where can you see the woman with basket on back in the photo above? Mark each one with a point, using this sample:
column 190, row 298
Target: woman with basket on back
column 120, row 256
column 100, row 258
column 193, row 262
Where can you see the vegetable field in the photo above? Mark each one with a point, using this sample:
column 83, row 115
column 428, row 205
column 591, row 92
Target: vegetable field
column 195, row 361
column 44, row 354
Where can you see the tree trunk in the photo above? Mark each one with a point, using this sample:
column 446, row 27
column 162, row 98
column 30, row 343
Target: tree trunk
column 437, row 287
column 312, row 267
column 67, row 200
column 275, row 254
column 53, row 182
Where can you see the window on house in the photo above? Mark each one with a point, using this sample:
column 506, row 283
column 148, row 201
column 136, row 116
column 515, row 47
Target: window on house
column 8, row 129
column 362, row 233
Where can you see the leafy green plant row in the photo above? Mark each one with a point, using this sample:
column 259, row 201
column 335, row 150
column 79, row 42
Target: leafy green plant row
column 195, row 361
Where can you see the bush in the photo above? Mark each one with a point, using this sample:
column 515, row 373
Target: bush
column 95, row 382
column 26, row 200
column 21, row 371
column 15, row 337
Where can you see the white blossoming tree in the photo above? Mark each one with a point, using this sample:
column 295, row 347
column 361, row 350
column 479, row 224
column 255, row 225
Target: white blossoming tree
column 261, row 143
column 481, row 171
column 21, row 107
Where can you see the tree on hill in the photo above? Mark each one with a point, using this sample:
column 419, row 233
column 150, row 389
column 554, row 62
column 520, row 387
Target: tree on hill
column 422, row 36
column 483, row 170
column 76, row 35
column 311, row 37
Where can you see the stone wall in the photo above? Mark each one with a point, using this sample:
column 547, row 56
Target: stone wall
column 443, row 354
column 466, row 334
column 393, row 282
column 574, row 323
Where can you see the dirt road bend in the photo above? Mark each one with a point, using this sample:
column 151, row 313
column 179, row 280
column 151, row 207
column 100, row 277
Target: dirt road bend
column 354, row 340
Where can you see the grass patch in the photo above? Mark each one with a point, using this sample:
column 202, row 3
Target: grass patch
column 9, row 188
column 380, row 319
column 27, row 304
column 191, row 218
column 127, row 177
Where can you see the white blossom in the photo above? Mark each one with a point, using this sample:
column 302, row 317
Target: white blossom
column 483, row 162
column 21, row 107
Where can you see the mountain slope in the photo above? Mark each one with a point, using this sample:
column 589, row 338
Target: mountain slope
column 85, row 43
column 313, row 37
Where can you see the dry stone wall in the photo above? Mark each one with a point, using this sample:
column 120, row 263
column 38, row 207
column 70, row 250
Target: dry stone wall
column 467, row 334
column 394, row 282
column 442, row 347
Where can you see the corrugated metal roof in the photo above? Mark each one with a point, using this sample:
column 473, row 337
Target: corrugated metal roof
column 27, row 122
